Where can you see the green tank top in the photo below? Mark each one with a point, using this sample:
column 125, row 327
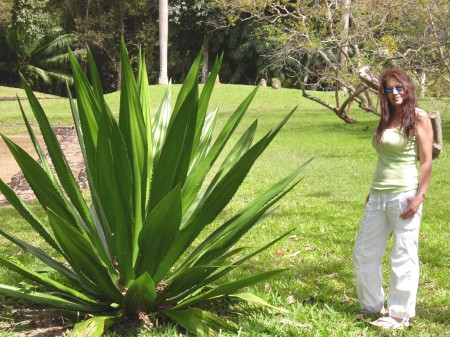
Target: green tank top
column 396, row 169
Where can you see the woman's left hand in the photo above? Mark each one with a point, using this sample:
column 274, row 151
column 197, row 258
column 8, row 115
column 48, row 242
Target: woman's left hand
column 413, row 206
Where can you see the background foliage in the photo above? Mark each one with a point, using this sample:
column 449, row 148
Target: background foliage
column 259, row 39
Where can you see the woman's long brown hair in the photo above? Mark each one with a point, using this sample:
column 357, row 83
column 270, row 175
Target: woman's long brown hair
column 409, row 119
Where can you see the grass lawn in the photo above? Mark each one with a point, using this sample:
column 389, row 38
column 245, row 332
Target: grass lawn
column 324, row 210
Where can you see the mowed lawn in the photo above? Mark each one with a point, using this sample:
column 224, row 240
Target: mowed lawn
column 323, row 210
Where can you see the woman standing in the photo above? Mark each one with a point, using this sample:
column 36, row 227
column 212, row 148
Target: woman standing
column 394, row 204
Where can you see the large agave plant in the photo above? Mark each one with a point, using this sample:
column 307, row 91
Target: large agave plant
column 129, row 249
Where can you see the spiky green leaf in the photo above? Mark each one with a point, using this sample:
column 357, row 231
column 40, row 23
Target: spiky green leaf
column 36, row 144
column 184, row 281
column 44, row 257
column 173, row 164
column 134, row 133
column 28, row 215
column 204, row 102
column 158, row 232
column 114, row 192
column 195, row 179
column 42, row 186
column 93, row 327
column 140, row 295
column 252, row 298
column 200, row 322
column 160, row 124
column 45, row 281
column 144, row 95
column 83, row 258
column 89, row 112
column 205, row 139
column 226, row 289
column 45, row 299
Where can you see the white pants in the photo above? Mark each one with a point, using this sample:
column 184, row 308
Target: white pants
column 381, row 217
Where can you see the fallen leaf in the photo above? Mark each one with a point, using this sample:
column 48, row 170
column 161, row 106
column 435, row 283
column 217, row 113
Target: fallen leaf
column 294, row 254
column 308, row 248
column 312, row 299
column 266, row 287
column 145, row 320
column 334, row 275
column 279, row 251
column 283, row 320
column 346, row 299
column 292, row 299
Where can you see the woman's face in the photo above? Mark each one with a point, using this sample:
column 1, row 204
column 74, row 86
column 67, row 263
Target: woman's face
column 395, row 91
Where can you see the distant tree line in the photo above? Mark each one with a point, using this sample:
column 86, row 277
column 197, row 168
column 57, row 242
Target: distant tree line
column 27, row 26
column 311, row 44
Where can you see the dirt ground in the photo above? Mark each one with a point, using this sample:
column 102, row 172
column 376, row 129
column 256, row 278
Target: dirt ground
column 30, row 322
column 9, row 166
column 10, row 172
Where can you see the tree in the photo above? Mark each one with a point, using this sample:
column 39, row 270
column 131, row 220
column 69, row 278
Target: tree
column 5, row 12
column 33, row 48
column 439, row 16
column 205, row 24
column 190, row 32
column 163, row 40
column 323, row 43
column 310, row 42
column 419, row 41
column 102, row 24
column 208, row 18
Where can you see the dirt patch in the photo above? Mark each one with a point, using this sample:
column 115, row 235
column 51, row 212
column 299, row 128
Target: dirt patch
column 36, row 323
column 9, row 166
column 10, row 172
column 32, row 322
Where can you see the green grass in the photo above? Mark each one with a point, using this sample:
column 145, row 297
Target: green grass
column 324, row 210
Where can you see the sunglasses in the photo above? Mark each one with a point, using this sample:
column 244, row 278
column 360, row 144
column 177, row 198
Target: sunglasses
column 398, row 88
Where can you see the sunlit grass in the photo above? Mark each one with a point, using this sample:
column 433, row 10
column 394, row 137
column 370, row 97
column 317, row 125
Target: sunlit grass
column 324, row 210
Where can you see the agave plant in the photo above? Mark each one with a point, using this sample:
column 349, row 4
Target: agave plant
column 130, row 246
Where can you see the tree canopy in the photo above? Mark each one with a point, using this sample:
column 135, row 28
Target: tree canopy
column 317, row 44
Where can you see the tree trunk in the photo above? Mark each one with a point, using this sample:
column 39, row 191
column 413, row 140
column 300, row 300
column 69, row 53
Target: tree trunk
column 87, row 11
column 423, row 83
column 163, row 40
column 340, row 112
column 343, row 49
column 366, row 76
column 119, row 75
column 205, row 60
column 122, row 37
column 344, row 33
column 435, row 118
